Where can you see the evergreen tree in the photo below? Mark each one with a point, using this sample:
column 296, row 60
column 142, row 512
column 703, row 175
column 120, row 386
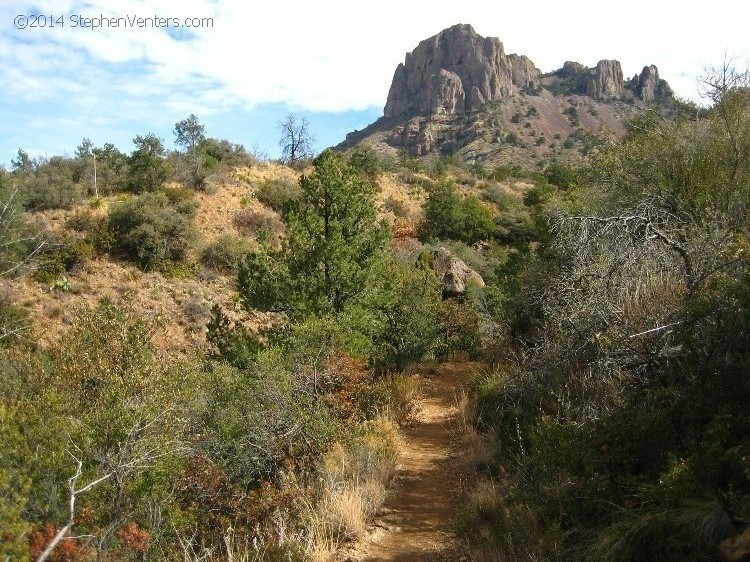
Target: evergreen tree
column 147, row 169
column 333, row 245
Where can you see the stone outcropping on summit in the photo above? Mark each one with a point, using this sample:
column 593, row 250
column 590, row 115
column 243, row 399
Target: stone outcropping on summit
column 456, row 71
column 605, row 81
column 438, row 103
column 649, row 87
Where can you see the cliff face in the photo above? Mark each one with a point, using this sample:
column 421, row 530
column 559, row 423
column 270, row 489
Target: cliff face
column 605, row 81
column 456, row 71
column 649, row 87
column 434, row 103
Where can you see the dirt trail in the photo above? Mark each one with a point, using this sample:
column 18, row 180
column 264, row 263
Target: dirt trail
column 414, row 524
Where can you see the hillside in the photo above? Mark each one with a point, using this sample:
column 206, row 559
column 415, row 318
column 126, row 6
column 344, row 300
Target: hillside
column 459, row 93
column 228, row 210
column 473, row 350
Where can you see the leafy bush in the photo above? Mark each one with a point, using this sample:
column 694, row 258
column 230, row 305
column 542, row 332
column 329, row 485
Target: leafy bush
column 402, row 309
column 505, row 171
column 147, row 168
column 560, row 175
column 62, row 257
column 193, row 168
column 278, row 193
column 227, row 153
column 410, row 163
column 263, row 225
column 51, row 186
column 572, row 114
column 447, row 215
column 396, row 206
column 366, row 161
column 111, row 170
column 459, row 331
column 151, row 231
column 226, row 253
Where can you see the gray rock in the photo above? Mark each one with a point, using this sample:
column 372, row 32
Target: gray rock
column 605, row 81
column 452, row 272
column 649, row 87
column 456, row 71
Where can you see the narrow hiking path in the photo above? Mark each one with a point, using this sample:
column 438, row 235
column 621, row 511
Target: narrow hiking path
column 415, row 522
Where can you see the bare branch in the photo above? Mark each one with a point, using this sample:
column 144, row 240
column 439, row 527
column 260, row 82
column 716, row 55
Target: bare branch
column 129, row 458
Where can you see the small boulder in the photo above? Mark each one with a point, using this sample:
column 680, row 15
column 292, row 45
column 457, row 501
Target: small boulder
column 452, row 272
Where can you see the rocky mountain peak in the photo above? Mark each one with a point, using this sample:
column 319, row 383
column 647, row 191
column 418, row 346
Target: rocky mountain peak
column 456, row 71
column 605, row 80
column 438, row 103
column 649, row 87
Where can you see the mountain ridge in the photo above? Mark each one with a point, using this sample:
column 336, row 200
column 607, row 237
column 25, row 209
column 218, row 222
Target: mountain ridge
column 460, row 92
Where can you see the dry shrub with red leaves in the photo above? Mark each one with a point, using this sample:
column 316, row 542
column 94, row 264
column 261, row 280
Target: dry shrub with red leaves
column 67, row 550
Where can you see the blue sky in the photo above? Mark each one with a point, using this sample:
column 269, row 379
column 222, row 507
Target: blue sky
column 330, row 60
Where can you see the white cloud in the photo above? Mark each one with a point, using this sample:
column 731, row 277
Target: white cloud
column 333, row 55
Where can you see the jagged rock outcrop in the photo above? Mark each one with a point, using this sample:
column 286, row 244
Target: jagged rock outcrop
column 605, row 80
column 456, row 71
column 435, row 92
column 453, row 273
column 524, row 72
column 649, row 87
column 415, row 135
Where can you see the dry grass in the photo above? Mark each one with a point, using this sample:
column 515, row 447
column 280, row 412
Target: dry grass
column 479, row 449
column 182, row 301
column 352, row 484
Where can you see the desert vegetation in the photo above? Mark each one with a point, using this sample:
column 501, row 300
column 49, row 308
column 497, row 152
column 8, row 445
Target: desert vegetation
column 606, row 419
column 274, row 439
column 615, row 403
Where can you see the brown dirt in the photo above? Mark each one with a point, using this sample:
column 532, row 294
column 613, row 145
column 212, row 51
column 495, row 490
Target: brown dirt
column 415, row 522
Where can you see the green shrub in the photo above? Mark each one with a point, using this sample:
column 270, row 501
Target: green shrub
column 111, row 170
column 61, row 257
column 366, row 161
column 277, row 193
column 404, row 307
column 226, row 253
column 505, row 171
column 150, row 231
column 560, row 175
column 410, row 163
column 193, row 168
column 459, row 331
column 227, row 153
column 51, row 186
column 572, row 114
column 264, row 226
column 447, row 215
column 147, row 168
